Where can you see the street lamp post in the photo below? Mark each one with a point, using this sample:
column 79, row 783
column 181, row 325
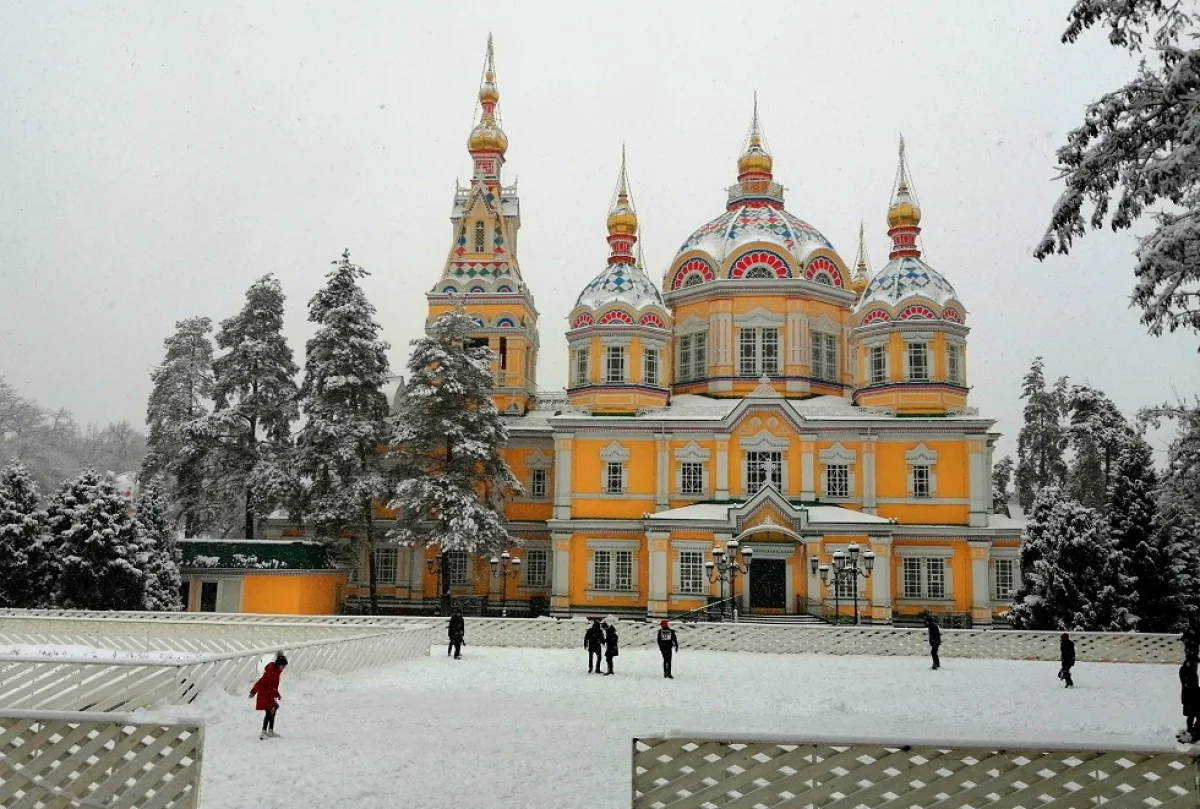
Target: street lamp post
column 503, row 567
column 845, row 568
column 436, row 565
column 724, row 567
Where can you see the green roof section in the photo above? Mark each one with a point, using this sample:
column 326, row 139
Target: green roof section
column 255, row 554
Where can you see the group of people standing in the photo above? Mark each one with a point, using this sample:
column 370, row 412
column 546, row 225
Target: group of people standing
column 601, row 639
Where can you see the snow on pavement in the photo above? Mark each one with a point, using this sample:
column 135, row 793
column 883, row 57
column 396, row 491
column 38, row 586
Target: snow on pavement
column 530, row 728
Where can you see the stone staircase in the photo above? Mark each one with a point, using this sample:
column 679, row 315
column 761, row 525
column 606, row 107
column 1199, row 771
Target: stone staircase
column 800, row 619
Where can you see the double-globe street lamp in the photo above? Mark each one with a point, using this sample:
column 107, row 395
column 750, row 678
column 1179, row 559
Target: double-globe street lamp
column 724, row 567
column 505, row 566
column 845, row 569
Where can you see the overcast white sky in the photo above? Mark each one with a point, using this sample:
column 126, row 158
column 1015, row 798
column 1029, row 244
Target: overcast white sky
column 157, row 157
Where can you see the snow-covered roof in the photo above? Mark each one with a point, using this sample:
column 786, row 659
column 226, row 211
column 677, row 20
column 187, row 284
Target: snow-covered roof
column 1016, row 522
column 621, row 283
column 903, row 278
column 745, row 224
column 825, row 515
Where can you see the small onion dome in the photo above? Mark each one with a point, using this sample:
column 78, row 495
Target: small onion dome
column 622, row 220
column 858, row 283
column 488, row 92
column 487, row 137
column 903, row 279
column 755, row 159
column 904, row 213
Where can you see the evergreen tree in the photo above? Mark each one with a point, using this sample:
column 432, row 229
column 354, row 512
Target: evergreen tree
column 1179, row 502
column 24, row 563
column 1002, row 472
column 447, row 437
column 95, row 541
column 1097, row 433
column 162, row 555
column 1071, row 575
column 338, row 451
column 182, row 388
column 1040, row 442
column 254, row 392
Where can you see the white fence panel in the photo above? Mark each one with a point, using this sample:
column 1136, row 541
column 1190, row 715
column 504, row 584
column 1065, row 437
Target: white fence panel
column 68, row 760
column 705, row 772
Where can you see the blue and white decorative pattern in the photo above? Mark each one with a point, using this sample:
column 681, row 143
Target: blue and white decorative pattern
column 905, row 278
column 756, row 223
column 620, row 283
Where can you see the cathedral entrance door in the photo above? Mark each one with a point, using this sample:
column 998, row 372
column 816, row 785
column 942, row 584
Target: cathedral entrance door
column 768, row 585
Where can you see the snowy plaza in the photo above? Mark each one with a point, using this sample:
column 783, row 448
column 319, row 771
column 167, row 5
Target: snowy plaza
column 531, row 728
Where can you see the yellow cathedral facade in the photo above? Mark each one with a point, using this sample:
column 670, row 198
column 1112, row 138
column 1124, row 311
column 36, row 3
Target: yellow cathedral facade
column 762, row 398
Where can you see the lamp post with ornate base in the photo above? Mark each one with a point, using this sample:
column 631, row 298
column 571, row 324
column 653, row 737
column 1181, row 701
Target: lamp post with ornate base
column 845, row 569
column 504, row 567
column 437, row 565
column 724, row 567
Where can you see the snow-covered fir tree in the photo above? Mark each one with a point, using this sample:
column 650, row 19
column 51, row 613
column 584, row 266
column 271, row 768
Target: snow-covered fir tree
column 1096, row 434
column 1002, row 473
column 163, row 558
column 1040, row 442
column 1071, row 576
column 24, row 563
column 338, row 451
column 96, row 547
column 447, row 438
column 181, row 393
column 254, row 395
column 1137, row 148
column 1179, row 501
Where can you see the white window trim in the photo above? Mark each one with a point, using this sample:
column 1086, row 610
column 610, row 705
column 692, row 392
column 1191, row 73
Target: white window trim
column 883, row 348
column 759, row 318
column 604, row 479
column 921, row 455
column 764, row 440
column 610, row 352
column 704, row 486
column 545, row 483
column 923, row 554
column 838, row 454
column 692, row 452
column 849, row 481
column 615, row 452
column 814, row 338
column 680, row 548
column 539, row 460
column 909, row 343
column 631, row 546
column 541, row 546
column 783, row 468
column 647, row 353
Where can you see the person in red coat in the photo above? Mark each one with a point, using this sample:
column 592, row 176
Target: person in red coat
column 267, row 691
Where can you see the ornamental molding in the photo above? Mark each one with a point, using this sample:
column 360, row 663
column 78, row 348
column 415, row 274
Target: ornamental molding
column 758, row 318
column 920, row 454
column 764, row 441
column 837, row 454
column 539, row 460
column 691, row 325
column 615, row 452
column 692, row 452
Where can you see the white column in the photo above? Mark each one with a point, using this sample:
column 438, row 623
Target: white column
column 980, row 483
column 881, row 580
column 870, row 444
column 416, row 569
column 722, row 481
column 663, row 470
column 562, row 477
column 560, row 560
column 808, row 443
column 657, row 543
column 981, row 596
column 789, row 583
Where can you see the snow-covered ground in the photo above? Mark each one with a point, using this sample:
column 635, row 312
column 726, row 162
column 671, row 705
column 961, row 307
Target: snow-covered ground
column 530, row 728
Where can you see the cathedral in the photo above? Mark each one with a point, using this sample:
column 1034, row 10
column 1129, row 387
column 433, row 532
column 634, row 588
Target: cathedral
column 758, row 408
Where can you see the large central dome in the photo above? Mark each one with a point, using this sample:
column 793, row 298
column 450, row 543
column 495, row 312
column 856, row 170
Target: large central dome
column 755, row 222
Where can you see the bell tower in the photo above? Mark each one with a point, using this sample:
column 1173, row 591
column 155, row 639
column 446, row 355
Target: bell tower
column 481, row 271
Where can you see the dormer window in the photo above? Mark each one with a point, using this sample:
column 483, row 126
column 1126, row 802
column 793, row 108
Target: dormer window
column 479, row 236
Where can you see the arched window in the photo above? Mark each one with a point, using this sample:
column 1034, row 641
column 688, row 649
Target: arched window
column 760, row 271
column 693, row 279
column 823, row 278
column 478, row 237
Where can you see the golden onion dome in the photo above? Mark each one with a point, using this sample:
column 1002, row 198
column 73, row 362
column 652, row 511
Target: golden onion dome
column 622, row 220
column 487, row 137
column 488, row 92
column 904, row 212
column 755, row 159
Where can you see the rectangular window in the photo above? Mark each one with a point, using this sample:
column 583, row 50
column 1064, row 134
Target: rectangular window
column 602, row 570
column 763, row 468
column 685, row 358
column 537, row 483
column 479, row 237
column 846, row 588
column 691, row 571
column 208, row 596
column 912, row 577
column 824, row 356
column 537, row 568
column 650, row 366
column 614, row 477
column 622, row 570
column 918, row 362
column 924, row 577
column 691, row 478
column 612, row 570
column 614, row 364
column 1005, row 578
column 935, row 578
column 922, row 483
column 700, row 356
column 581, row 366
column 758, row 352
column 459, row 564
column 386, row 564
column 837, row 480
column 953, row 373
column 878, row 360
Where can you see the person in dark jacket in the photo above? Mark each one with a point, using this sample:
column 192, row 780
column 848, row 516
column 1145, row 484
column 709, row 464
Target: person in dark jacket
column 1191, row 639
column 610, row 646
column 593, row 641
column 457, row 631
column 267, row 691
column 1189, row 695
column 1066, row 650
column 935, row 639
column 668, row 644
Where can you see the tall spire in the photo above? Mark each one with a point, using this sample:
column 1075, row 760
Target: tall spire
column 755, row 161
column 862, row 264
column 622, row 220
column 488, row 143
column 904, row 214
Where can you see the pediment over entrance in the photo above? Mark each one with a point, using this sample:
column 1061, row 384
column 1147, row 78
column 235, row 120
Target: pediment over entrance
column 768, row 506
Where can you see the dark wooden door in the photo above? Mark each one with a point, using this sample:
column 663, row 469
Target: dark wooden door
column 768, row 584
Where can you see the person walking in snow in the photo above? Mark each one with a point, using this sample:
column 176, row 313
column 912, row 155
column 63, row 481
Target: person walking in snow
column 935, row 639
column 267, row 691
column 1191, row 639
column 1189, row 695
column 1066, row 651
column 668, row 644
column 457, row 631
column 593, row 641
column 610, row 646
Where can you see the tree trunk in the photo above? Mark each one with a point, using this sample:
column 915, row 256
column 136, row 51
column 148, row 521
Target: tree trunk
column 249, row 490
column 372, row 581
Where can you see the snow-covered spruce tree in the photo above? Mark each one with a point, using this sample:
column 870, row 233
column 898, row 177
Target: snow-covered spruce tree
column 254, row 395
column 1071, row 575
column 181, row 392
column 338, row 452
column 96, row 547
column 446, row 441
column 157, row 531
column 1096, row 433
column 1179, row 501
column 24, row 564
column 1137, row 146
column 1002, row 472
column 1040, row 460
